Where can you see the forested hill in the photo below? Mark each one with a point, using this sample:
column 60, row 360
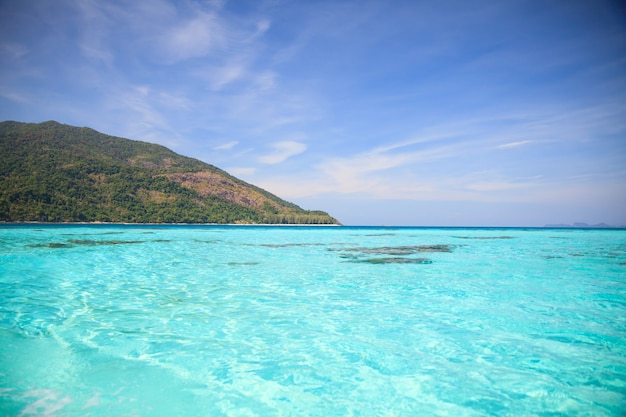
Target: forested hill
column 51, row 172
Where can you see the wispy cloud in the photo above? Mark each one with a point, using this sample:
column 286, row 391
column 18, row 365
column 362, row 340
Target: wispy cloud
column 226, row 146
column 143, row 113
column 448, row 162
column 282, row 151
column 12, row 50
column 96, row 23
column 195, row 37
column 514, row 144
column 224, row 74
column 14, row 96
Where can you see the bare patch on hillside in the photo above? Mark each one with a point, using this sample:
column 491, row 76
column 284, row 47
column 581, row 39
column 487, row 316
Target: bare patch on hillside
column 208, row 183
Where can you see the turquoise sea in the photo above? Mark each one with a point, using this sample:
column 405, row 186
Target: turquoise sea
column 121, row 320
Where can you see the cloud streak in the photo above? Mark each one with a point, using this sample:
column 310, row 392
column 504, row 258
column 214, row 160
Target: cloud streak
column 514, row 144
column 196, row 37
column 281, row 151
column 226, row 146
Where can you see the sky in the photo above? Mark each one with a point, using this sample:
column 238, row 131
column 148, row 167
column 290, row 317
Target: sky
column 403, row 112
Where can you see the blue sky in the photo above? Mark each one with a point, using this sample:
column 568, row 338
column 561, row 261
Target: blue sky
column 501, row 113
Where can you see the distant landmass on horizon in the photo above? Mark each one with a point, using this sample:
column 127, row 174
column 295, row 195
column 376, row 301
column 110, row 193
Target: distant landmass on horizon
column 584, row 226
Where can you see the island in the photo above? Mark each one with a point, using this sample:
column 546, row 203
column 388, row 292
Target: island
column 52, row 172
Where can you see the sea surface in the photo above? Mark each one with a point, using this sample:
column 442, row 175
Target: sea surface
column 124, row 320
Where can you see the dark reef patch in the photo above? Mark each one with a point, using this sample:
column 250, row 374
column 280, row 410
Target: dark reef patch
column 381, row 234
column 286, row 245
column 394, row 260
column 392, row 254
column 53, row 245
column 397, row 250
column 484, row 237
column 87, row 242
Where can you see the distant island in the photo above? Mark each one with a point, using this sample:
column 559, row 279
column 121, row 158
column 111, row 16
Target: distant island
column 583, row 226
column 51, row 172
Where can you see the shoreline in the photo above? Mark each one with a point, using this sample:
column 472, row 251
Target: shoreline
column 167, row 224
column 3, row 223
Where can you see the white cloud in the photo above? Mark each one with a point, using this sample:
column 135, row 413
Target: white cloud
column 262, row 26
column 265, row 80
column 195, row 37
column 211, row 33
column 13, row 50
column 174, row 101
column 379, row 173
column 96, row 26
column 226, row 146
column 14, row 96
column 139, row 115
column 237, row 69
column 220, row 77
column 514, row 144
column 282, row 151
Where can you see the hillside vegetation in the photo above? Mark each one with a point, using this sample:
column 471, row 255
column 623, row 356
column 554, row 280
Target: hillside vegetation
column 51, row 172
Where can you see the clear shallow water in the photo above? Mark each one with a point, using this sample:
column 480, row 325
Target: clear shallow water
column 337, row 321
